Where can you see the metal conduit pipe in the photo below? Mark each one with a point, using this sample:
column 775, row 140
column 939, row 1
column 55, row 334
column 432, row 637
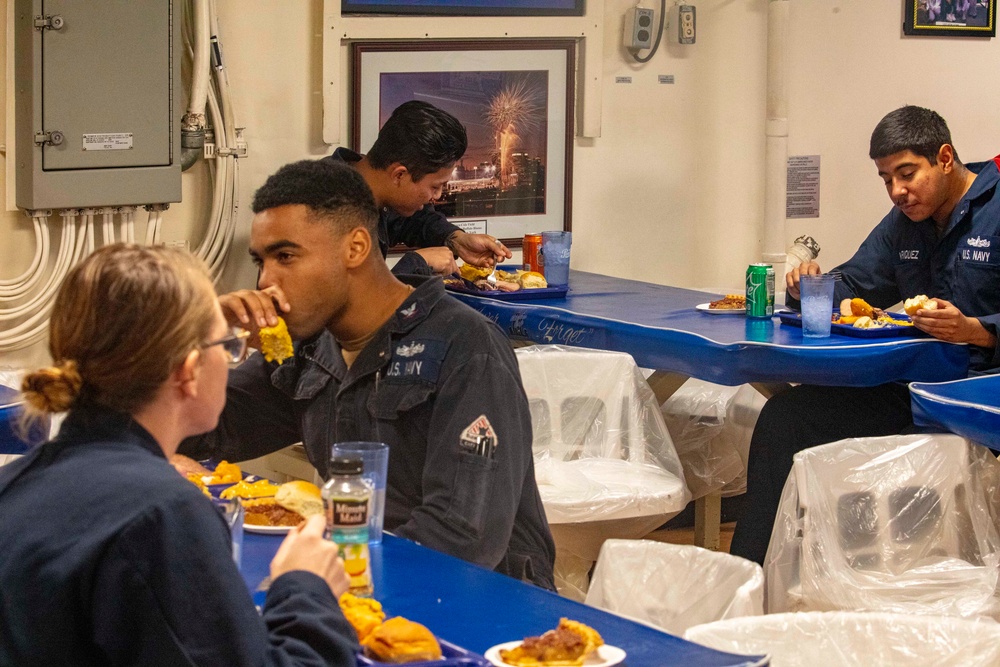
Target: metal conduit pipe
column 776, row 134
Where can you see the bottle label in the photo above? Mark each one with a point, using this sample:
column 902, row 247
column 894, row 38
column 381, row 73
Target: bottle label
column 349, row 512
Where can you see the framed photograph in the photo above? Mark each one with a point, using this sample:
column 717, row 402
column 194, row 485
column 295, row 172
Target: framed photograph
column 515, row 99
column 953, row 18
column 465, row 7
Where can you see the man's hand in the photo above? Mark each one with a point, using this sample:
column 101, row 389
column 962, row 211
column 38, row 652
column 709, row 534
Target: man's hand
column 440, row 259
column 479, row 249
column 792, row 277
column 947, row 323
column 305, row 549
column 254, row 309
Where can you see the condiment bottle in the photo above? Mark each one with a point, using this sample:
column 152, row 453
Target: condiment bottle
column 805, row 249
column 347, row 501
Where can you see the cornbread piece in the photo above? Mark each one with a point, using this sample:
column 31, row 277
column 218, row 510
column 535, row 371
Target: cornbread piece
column 275, row 343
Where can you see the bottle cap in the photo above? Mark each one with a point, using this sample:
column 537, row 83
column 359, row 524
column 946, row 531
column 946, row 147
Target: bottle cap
column 810, row 243
column 346, row 466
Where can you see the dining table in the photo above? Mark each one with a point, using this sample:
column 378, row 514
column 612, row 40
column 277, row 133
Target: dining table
column 969, row 407
column 673, row 331
column 476, row 609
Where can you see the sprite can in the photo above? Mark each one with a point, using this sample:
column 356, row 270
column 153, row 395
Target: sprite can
column 760, row 290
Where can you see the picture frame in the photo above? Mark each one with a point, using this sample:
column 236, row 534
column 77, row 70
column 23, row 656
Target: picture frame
column 516, row 100
column 950, row 18
column 464, row 7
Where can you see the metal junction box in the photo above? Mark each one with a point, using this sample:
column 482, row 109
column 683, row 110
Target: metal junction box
column 97, row 102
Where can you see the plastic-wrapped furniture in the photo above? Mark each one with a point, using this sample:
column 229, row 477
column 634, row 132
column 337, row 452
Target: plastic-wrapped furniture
column 604, row 461
column 856, row 639
column 901, row 524
column 674, row 587
column 711, row 425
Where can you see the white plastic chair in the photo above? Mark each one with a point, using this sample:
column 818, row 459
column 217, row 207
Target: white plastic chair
column 673, row 587
column 899, row 524
column 604, row 461
column 853, row 639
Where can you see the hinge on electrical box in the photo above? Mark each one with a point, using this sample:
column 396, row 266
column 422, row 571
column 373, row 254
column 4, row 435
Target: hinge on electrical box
column 53, row 138
column 53, row 22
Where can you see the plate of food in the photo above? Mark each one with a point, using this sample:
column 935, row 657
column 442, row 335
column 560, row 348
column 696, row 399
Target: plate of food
column 730, row 304
column 291, row 503
column 512, row 283
column 400, row 641
column 571, row 643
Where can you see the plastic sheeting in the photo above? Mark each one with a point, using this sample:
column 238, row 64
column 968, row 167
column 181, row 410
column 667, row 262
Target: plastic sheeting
column 850, row 639
column 900, row 524
column 604, row 461
column 674, row 587
column 711, row 425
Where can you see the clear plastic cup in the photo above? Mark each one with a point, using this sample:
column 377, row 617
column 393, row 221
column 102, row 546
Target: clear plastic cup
column 375, row 459
column 817, row 304
column 555, row 251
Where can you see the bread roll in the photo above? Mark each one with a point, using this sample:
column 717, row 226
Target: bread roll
column 399, row 640
column 921, row 301
column 301, row 497
column 532, row 280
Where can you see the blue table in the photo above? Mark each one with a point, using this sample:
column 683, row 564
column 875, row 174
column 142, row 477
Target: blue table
column 968, row 407
column 11, row 409
column 476, row 609
column 661, row 329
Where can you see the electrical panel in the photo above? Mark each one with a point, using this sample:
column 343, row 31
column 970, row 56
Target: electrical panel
column 638, row 33
column 97, row 103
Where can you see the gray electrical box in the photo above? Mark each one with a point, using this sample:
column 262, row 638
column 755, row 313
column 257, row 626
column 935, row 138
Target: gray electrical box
column 97, row 103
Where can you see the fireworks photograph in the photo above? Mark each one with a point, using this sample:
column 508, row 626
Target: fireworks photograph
column 516, row 107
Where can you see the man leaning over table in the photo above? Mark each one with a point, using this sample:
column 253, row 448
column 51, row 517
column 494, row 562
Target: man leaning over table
column 383, row 358
column 941, row 239
column 407, row 168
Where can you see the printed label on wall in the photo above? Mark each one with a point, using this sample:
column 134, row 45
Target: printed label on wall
column 802, row 196
column 110, row 141
column 470, row 226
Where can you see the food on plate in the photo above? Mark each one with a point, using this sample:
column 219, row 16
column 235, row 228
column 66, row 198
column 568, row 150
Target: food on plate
column 846, row 319
column 567, row 645
column 275, row 342
column 399, row 640
column 864, row 322
column 860, row 315
column 861, row 308
column 197, row 481
column 474, row 273
column 224, row 473
column 500, row 285
column 364, row 614
column 729, row 302
column 921, row 301
column 532, row 280
column 292, row 502
column 245, row 489
column 301, row 497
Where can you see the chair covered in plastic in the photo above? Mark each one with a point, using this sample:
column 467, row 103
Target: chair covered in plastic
column 901, row 524
column 674, row 587
column 856, row 639
column 604, row 461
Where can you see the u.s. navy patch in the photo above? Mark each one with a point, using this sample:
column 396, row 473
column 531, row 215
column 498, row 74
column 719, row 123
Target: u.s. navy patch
column 479, row 438
column 415, row 361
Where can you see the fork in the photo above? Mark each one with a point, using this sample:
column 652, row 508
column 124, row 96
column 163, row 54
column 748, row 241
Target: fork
column 492, row 278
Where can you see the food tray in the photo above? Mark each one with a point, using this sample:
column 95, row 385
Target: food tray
column 519, row 295
column 794, row 319
column 453, row 656
column 216, row 489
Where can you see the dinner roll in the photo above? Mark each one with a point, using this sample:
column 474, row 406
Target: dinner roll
column 400, row 640
column 921, row 301
column 301, row 497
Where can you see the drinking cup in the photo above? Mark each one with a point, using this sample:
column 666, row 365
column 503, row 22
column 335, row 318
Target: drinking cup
column 817, row 304
column 555, row 251
column 375, row 467
column 232, row 512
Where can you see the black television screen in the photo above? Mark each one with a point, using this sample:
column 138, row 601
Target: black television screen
column 465, row 7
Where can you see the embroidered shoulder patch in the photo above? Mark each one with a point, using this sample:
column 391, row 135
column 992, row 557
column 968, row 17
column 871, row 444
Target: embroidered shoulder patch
column 479, row 438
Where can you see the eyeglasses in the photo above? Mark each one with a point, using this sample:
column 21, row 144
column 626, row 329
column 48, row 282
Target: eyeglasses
column 235, row 344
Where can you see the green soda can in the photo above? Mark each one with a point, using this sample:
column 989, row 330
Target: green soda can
column 760, row 291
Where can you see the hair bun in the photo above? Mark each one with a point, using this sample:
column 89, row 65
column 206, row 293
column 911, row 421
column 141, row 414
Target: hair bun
column 52, row 389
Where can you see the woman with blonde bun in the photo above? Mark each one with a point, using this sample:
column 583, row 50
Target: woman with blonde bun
column 109, row 556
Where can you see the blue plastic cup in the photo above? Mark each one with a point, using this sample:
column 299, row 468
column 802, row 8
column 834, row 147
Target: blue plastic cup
column 375, row 468
column 555, row 251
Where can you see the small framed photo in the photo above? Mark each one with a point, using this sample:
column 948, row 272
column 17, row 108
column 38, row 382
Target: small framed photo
column 951, row 18
column 514, row 97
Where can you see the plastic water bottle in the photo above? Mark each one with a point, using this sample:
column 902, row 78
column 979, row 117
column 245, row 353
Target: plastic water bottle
column 347, row 501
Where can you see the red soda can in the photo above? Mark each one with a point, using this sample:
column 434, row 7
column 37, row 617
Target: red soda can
column 529, row 250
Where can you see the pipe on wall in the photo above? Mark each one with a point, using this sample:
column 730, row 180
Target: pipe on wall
column 776, row 134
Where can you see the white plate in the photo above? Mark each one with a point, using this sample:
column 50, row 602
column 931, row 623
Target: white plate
column 605, row 656
column 706, row 308
column 266, row 530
